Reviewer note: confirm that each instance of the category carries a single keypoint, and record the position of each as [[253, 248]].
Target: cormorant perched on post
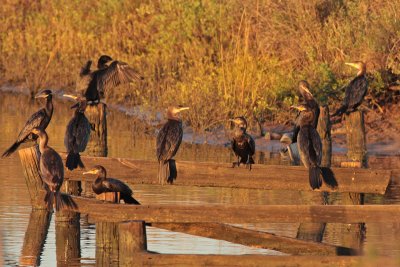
[[40, 120], [242, 143], [103, 184], [355, 91], [309, 145], [168, 141], [77, 134], [304, 89], [51, 170], [93, 84]]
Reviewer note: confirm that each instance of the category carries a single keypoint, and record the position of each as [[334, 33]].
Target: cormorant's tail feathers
[[11, 150], [73, 161], [329, 177], [173, 172], [315, 177], [128, 199], [51, 197]]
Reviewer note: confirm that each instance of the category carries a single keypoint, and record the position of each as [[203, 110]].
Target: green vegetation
[[222, 57]]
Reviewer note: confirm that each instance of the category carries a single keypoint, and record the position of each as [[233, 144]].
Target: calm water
[[15, 209]]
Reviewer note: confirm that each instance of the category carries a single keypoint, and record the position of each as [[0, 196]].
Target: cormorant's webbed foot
[[234, 164], [248, 163]]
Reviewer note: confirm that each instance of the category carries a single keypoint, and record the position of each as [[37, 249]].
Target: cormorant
[[309, 145], [40, 120], [93, 84], [51, 170], [304, 89], [168, 141], [77, 134], [103, 184], [355, 91], [242, 143]]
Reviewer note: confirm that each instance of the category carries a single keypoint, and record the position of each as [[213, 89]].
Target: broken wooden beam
[[257, 239], [211, 174], [212, 213]]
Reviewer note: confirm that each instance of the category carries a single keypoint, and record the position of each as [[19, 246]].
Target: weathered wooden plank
[[148, 259], [237, 213], [256, 238], [222, 175]]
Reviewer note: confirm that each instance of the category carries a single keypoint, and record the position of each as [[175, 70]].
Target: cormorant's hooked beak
[[235, 121], [70, 96], [41, 94], [299, 107], [354, 65], [182, 109], [95, 171]]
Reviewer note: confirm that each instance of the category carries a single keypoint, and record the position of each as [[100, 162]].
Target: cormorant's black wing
[[309, 145], [51, 167], [117, 73], [83, 81], [356, 91], [34, 121], [168, 140], [77, 134], [114, 185], [316, 145], [252, 144]]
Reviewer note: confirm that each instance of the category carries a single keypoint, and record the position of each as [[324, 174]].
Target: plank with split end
[[236, 213], [257, 239], [148, 259], [222, 175]]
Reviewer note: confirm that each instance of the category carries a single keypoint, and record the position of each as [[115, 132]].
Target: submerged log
[[97, 116], [237, 213], [223, 175], [255, 238]]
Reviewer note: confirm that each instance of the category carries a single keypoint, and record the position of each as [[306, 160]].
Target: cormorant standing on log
[[168, 141], [77, 134], [355, 91], [94, 84], [242, 143], [304, 89], [51, 170], [40, 119], [309, 145], [103, 184]]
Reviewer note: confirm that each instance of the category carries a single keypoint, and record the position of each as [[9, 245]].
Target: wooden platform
[[212, 213], [210, 174]]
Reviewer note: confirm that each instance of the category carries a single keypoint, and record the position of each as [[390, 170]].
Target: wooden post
[[107, 243], [68, 246], [35, 237], [355, 132], [71, 188], [30, 165], [132, 240], [324, 131], [96, 114]]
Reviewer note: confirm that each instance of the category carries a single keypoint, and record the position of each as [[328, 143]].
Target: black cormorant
[[242, 143], [93, 84], [77, 134], [168, 141], [355, 91], [39, 120], [103, 184], [308, 98], [51, 170], [309, 145]]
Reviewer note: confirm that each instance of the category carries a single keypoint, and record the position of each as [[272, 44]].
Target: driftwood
[[276, 177]]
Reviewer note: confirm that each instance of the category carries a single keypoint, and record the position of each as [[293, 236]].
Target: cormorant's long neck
[[361, 71], [102, 175], [43, 140], [49, 106]]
